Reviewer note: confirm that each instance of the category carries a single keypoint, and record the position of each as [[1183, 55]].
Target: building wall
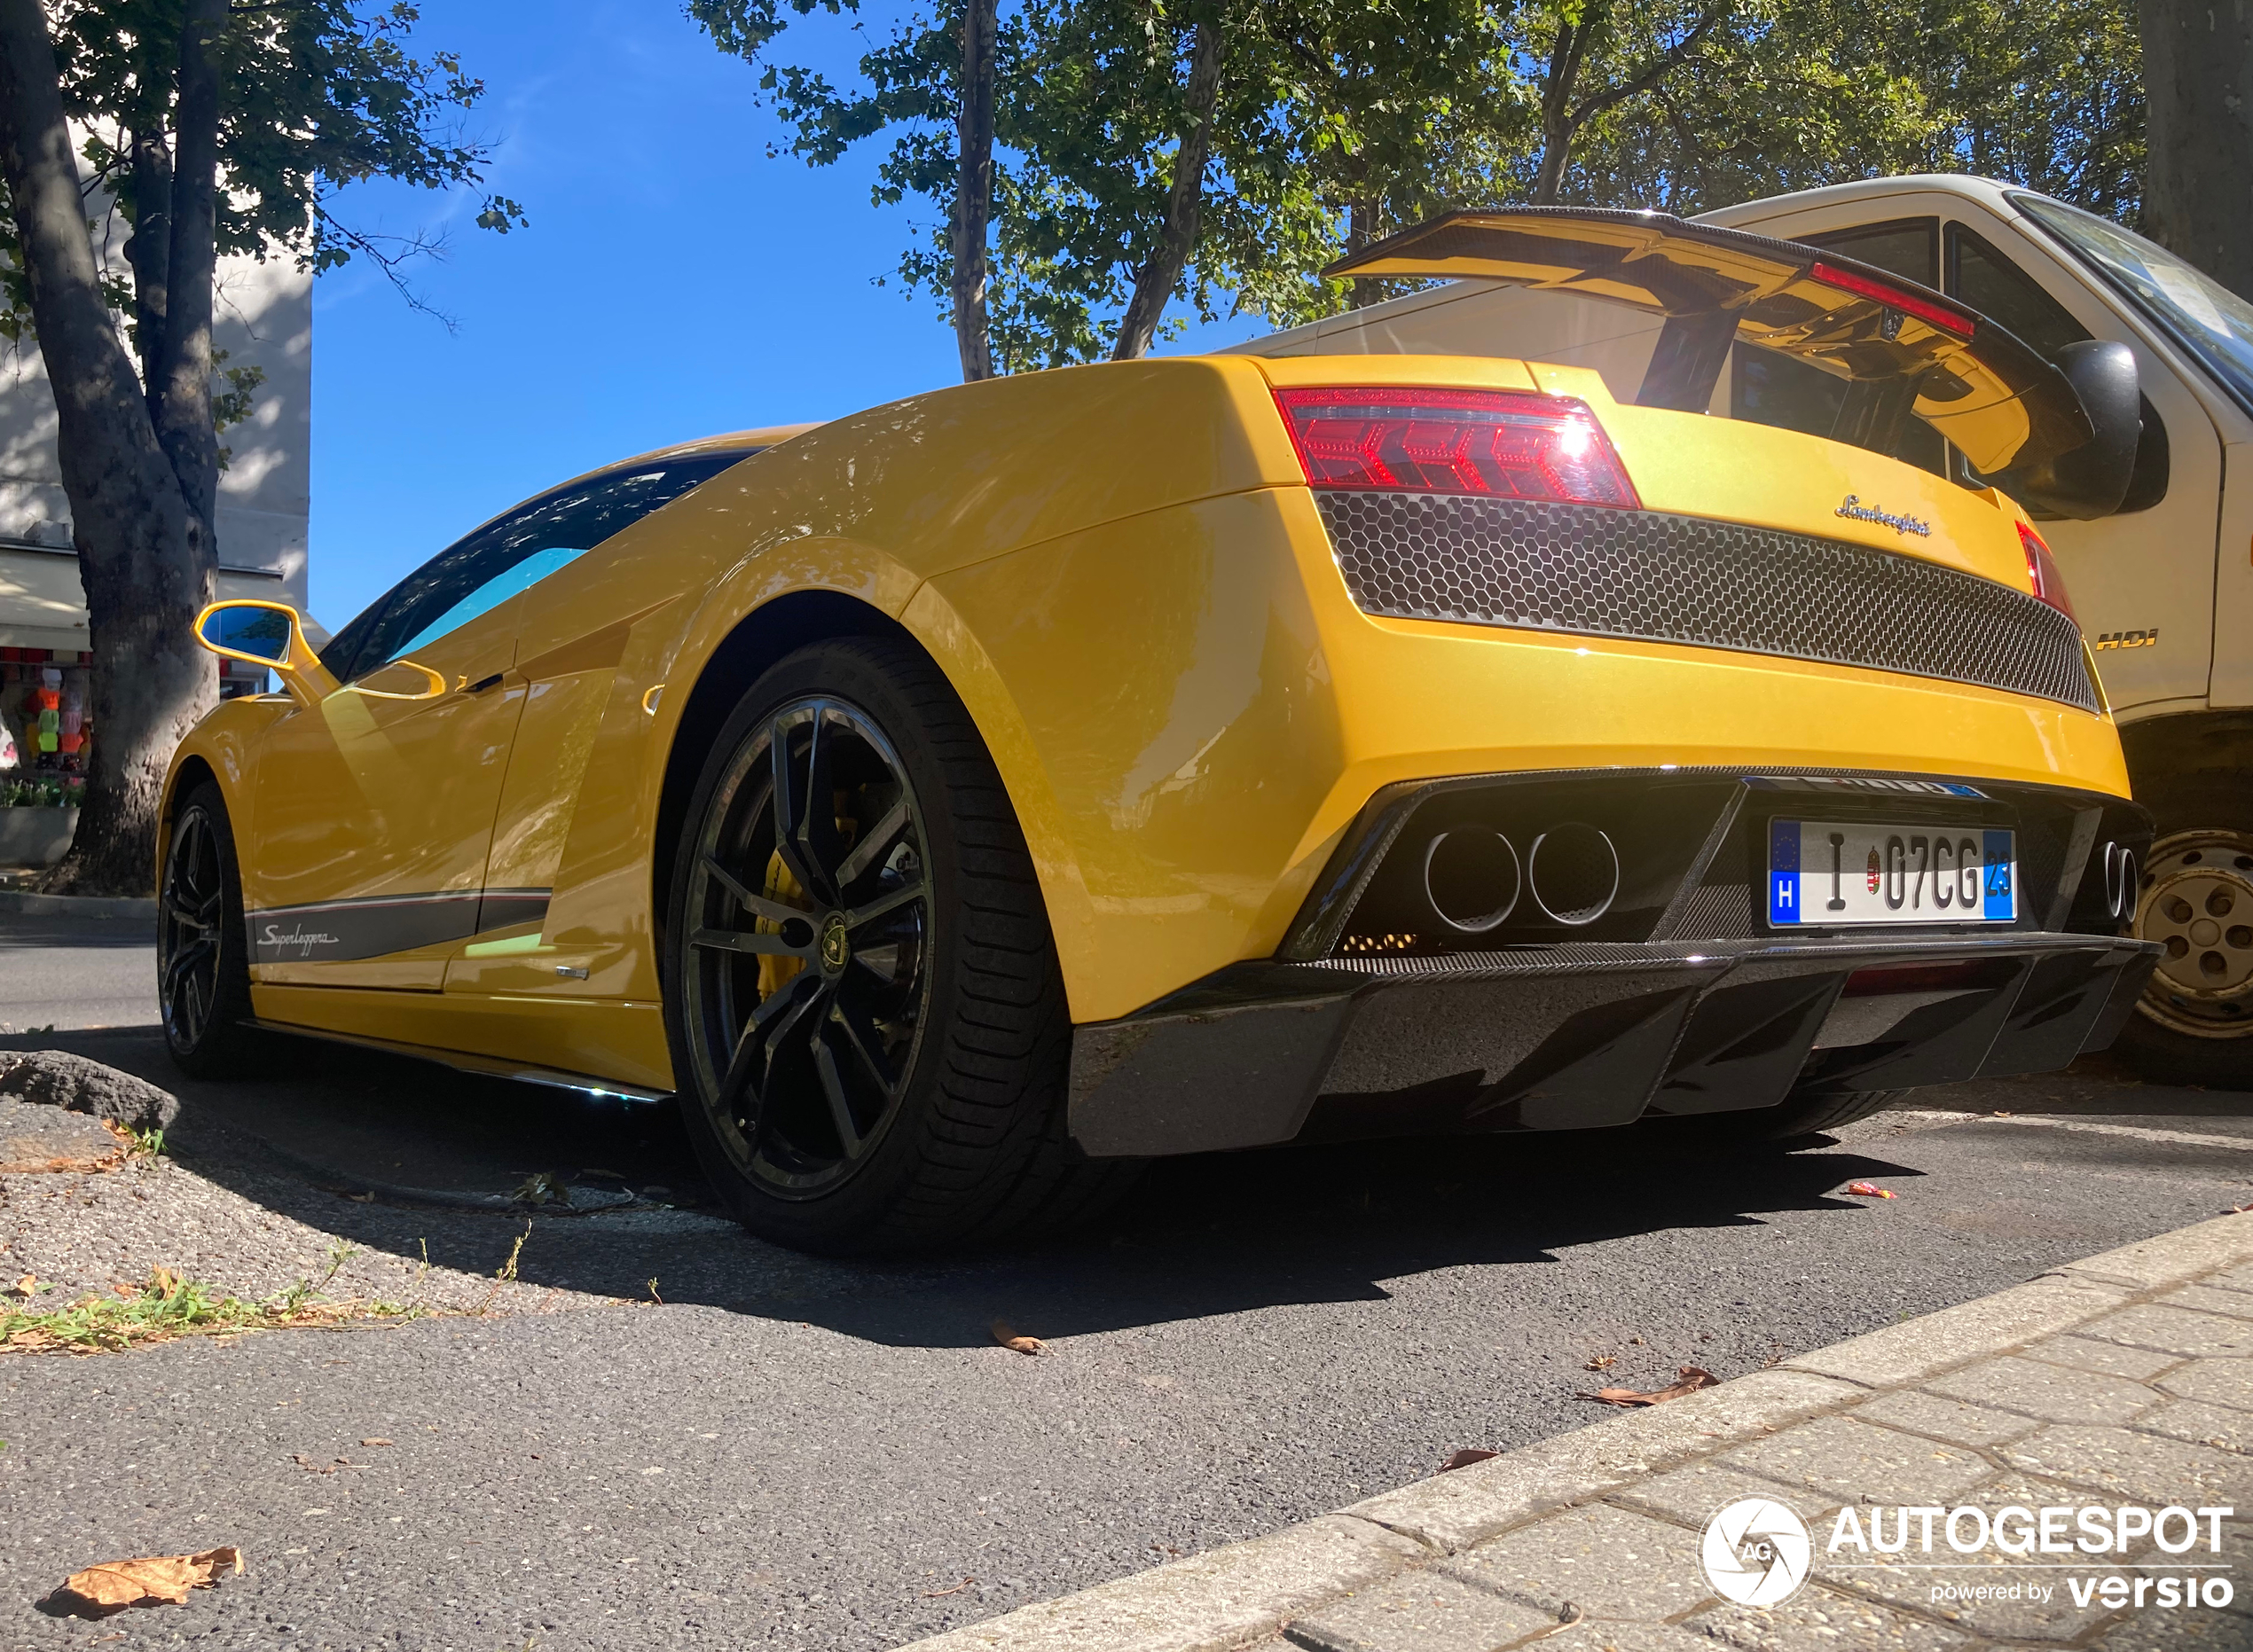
[[265, 318]]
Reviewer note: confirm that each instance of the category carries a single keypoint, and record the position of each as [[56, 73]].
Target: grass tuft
[[168, 1306]]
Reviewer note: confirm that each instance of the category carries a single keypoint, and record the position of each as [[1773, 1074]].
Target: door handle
[[482, 684]]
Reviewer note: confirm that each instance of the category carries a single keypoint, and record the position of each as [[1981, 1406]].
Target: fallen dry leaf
[[935, 1595], [1869, 1190], [379, 1440], [1465, 1458], [28, 1286], [1010, 1339], [1694, 1378], [158, 1580], [1602, 1362]]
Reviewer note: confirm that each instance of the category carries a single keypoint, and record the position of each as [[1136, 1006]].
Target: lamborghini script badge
[[1862, 513]]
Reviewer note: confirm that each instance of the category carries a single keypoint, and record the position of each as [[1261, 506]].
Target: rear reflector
[[1501, 443], [2049, 584], [1957, 322]]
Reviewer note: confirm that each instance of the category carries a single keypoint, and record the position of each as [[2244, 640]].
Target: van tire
[[2181, 1034]]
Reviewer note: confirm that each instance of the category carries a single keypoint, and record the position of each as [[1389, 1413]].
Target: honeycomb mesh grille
[[1599, 572]]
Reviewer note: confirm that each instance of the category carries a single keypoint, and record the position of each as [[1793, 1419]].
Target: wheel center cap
[[837, 949], [2205, 932]]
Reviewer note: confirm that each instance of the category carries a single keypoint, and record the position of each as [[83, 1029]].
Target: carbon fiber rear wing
[[1902, 348]]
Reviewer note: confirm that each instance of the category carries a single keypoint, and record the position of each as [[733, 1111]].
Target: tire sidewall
[[840, 1219], [223, 1033], [2199, 799]]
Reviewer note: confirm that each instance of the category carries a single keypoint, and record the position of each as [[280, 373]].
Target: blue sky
[[674, 281]]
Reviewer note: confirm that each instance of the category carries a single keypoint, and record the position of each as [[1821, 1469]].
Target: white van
[[2162, 585]]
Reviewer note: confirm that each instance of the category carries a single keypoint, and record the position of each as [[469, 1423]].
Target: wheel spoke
[[751, 941], [177, 968], [758, 905], [871, 845], [833, 1087], [885, 904], [817, 825], [859, 1039], [181, 914], [788, 805]]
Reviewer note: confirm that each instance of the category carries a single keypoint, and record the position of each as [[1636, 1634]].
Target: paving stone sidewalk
[[2125, 1379]]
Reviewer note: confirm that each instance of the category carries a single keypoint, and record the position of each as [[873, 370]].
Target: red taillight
[[1957, 322], [2049, 584], [1501, 443]]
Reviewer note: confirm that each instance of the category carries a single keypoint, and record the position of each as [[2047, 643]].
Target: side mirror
[[267, 634], [2091, 480]]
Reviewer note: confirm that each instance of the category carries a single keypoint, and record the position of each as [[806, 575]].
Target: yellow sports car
[[955, 803]]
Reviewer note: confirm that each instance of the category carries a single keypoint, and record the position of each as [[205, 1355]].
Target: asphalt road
[[813, 1454]]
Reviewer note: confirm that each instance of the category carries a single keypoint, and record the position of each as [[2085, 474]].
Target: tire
[[2194, 1024], [1809, 1116], [202, 947], [868, 1028], [1791, 1119]]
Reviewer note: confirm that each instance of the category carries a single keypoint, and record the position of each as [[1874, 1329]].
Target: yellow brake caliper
[[776, 972]]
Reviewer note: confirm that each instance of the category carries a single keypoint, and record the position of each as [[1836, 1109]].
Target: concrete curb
[[1231, 1595], [25, 904]]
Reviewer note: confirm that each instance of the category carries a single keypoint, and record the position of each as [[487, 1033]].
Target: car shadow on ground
[[1200, 1236]]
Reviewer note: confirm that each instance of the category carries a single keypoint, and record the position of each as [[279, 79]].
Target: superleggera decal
[[341, 931]]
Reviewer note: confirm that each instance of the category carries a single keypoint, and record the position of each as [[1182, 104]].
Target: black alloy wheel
[[809, 935], [202, 967], [869, 1038]]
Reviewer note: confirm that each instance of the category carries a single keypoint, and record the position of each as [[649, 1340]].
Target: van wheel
[[869, 1034], [2194, 1024], [202, 951]]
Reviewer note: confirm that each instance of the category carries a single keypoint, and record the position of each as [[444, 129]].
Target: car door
[[373, 812]]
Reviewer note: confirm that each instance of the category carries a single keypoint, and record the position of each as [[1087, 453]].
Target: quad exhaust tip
[[1474, 878], [2119, 881], [1471, 880]]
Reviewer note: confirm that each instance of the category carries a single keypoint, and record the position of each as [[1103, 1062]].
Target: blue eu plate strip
[[1782, 876], [2002, 898]]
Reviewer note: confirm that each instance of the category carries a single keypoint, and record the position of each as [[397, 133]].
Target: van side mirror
[[2091, 480], [269, 634]]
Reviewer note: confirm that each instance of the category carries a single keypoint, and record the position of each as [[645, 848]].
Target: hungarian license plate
[[1850, 872]]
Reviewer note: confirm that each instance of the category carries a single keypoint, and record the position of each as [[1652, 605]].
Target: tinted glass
[[1996, 287], [1905, 248], [483, 570]]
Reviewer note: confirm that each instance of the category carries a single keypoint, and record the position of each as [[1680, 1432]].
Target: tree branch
[[974, 189], [1185, 205]]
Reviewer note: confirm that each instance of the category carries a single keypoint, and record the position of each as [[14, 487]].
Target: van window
[[2202, 316], [1771, 389], [1997, 288]]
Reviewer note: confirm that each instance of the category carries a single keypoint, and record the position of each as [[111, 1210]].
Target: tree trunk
[[149, 249], [1565, 55], [1184, 206], [974, 189], [2198, 179], [1361, 230], [138, 543], [179, 392]]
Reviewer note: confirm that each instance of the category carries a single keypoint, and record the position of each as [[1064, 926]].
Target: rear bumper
[[1583, 1035]]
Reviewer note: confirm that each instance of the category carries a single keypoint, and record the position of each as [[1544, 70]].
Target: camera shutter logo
[[1756, 1552]]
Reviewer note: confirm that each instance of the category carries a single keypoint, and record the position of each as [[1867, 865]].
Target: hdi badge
[[1756, 1552]]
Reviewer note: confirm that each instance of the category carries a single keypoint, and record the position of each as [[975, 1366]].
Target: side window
[[1771, 389], [478, 573], [1993, 285]]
